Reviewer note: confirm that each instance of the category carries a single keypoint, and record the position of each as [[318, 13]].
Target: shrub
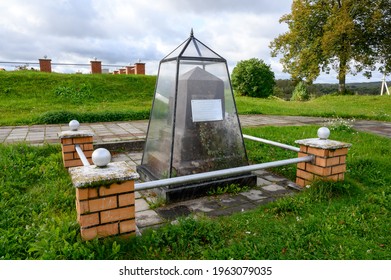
[[253, 78], [300, 93], [89, 117]]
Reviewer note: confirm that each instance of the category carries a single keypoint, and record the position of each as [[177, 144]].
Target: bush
[[300, 93], [90, 117], [253, 78]]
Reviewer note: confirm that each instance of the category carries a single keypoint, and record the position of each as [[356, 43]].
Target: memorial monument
[[193, 125]]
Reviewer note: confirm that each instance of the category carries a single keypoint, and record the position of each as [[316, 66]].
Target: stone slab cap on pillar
[[92, 176], [75, 134], [324, 144]]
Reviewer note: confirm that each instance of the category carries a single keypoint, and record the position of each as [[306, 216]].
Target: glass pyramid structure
[[193, 125]]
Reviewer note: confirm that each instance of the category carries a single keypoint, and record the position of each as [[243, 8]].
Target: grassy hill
[[29, 97], [34, 97]]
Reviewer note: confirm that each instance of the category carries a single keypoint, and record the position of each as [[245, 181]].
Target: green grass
[[347, 106], [344, 220], [33, 97], [29, 97]]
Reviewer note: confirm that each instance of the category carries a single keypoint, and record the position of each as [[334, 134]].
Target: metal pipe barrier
[[81, 155], [217, 174], [277, 144]]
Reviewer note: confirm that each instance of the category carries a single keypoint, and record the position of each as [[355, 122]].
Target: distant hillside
[[369, 88], [286, 87]]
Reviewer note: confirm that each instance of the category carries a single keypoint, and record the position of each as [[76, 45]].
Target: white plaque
[[206, 110]]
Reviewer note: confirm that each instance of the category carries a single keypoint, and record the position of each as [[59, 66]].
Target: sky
[[127, 31]]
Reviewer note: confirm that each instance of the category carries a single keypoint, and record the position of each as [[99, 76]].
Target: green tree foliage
[[300, 93], [349, 36], [253, 78]]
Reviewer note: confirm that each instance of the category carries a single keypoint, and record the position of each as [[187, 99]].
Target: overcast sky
[[124, 31]]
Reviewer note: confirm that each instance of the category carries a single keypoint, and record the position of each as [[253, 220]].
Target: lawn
[[344, 220], [345, 106], [33, 97], [29, 97]]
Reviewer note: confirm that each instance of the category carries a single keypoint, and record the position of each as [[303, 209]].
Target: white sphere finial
[[323, 133], [101, 157], [74, 125]]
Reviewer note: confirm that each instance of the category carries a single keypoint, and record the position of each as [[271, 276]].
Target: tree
[[349, 36], [253, 78], [300, 93]]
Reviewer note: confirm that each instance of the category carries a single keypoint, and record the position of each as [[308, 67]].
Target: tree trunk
[[342, 83], [342, 75]]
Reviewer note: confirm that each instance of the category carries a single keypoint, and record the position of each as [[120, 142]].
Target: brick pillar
[[115, 72], [68, 141], [122, 71], [139, 68], [105, 201], [96, 67], [45, 65], [329, 160], [129, 70]]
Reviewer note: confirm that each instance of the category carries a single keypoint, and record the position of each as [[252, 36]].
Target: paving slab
[[148, 218], [254, 195], [273, 188], [136, 130]]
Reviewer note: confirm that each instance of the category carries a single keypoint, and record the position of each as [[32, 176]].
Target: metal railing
[[277, 144], [199, 177], [217, 174], [81, 154]]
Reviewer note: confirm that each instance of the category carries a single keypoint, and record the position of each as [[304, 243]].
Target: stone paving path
[[136, 130], [269, 186]]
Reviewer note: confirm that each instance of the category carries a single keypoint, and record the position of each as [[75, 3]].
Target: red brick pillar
[[45, 65], [122, 71], [329, 160], [139, 68], [96, 67], [71, 138], [129, 70], [105, 201]]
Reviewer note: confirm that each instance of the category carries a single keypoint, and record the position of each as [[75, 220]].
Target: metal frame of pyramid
[[193, 125]]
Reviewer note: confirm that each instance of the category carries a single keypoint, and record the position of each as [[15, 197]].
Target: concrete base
[[135, 145], [194, 190]]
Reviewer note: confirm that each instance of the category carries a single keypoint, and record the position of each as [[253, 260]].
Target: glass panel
[[199, 101], [157, 151], [212, 144], [198, 49], [177, 51], [194, 48]]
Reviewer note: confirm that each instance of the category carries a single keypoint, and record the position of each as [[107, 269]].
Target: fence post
[[139, 68], [129, 70], [73, 137], [329, 159], [45, 65], [96, 67], [105, 201]]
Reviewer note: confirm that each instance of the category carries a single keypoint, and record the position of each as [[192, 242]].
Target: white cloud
[[123, 31]]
